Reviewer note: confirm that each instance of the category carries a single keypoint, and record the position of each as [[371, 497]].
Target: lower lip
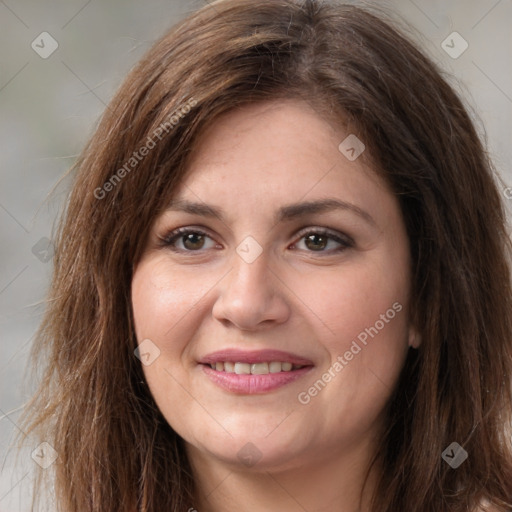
[[253, 384]]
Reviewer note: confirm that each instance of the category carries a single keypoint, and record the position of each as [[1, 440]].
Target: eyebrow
[[285, 213]]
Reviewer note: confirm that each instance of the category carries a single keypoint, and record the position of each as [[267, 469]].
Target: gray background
[[49, 107]]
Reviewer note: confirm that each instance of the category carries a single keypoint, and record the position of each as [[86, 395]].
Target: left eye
[[318, 240], [193, 240]]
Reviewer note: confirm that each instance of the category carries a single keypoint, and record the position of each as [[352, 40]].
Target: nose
[[251, 296]]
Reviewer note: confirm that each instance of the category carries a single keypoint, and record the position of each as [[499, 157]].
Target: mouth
[[254, 372], [263, 368]]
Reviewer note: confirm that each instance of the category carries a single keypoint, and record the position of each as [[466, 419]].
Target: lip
[[254, 384], [254, 356]]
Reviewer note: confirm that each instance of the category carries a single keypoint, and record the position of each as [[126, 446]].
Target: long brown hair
[[116, 451]]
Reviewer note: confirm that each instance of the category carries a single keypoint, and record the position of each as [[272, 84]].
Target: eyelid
[[344, 240], [174, 234]]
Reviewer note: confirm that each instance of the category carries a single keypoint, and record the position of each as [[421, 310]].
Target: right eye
[[192, 240]]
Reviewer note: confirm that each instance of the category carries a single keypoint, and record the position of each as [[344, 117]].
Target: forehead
[[276, 152], [267, 133]]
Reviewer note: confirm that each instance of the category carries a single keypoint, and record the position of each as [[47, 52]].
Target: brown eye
[[191, 240], [316, 242], [319, 240]]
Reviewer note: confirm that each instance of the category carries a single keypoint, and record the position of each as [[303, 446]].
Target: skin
[[300, 297]]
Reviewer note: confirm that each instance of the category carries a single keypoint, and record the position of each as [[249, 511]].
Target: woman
[[282, 281]]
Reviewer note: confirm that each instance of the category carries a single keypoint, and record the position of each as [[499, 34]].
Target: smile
[[263, 368], [250, 372]]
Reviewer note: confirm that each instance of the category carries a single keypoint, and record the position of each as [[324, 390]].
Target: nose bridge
[[251, 277], [250, 294]]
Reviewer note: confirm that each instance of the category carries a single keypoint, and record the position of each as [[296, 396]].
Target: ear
[[414, 337]]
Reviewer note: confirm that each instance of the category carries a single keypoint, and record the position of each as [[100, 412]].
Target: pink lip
[[254, 384], [254, 356]]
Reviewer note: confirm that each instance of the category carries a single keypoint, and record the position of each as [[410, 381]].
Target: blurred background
[[61, 62]]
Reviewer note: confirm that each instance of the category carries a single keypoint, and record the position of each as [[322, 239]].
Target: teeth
[[254, 368], [275, 367], [242, 368], [259, 368]]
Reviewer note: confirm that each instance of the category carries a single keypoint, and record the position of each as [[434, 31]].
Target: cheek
[[365, 311], [162, 299], [163, 303], [349, 301]]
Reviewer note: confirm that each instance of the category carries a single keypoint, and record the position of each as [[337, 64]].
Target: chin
[[253, 452]]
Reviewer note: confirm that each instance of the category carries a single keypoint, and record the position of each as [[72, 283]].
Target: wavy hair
[[116, 451]]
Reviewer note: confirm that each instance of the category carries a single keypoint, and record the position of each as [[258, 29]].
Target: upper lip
[[254, 356]]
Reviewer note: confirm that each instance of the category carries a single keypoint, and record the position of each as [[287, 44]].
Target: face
[[290, 276]]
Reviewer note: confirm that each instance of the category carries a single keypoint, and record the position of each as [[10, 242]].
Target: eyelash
[[171, 238]]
